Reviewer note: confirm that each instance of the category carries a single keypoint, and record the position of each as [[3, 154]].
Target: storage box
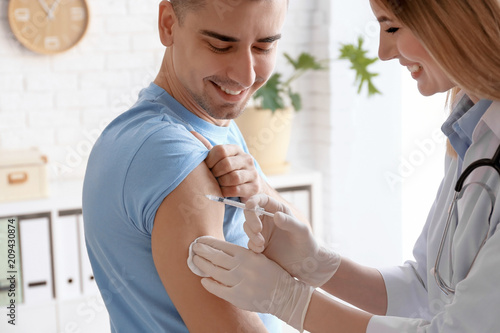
[[23, 175]]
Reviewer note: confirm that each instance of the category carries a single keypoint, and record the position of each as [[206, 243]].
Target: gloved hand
[[251, 281], [288, 242]]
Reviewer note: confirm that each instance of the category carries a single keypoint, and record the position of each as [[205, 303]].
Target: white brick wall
[[60, 103]]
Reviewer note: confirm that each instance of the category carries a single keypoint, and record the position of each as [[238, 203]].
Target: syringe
[[259, 210]]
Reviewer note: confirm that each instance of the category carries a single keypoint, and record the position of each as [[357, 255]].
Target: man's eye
[[219, 49], [263, 51], [392, 30]]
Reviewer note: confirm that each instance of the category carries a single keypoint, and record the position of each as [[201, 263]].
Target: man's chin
[[227, 111]]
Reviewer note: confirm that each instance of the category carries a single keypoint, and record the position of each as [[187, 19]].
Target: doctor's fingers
[[290, 223], [228, 294], [268, 203], [219, 274], [219, 244], [256, 223], [256, 242], [215, 256], [253, 220]]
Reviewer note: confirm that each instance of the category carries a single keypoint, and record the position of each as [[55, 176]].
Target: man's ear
[[166, 21]]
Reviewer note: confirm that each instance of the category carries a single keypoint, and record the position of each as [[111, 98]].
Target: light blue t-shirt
[[142, 156]]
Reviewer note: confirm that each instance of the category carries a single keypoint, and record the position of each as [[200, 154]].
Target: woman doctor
[[453, 285]]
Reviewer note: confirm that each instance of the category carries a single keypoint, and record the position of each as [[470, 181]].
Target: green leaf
[[359, 63], [304, 62], [295, 99], [269, 94]]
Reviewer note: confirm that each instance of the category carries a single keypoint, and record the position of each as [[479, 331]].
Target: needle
[[229, 202]]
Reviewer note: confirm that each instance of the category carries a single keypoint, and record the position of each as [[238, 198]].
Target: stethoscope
[[494, 163]]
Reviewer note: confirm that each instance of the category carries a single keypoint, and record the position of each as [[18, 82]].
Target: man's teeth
[[414, 68], [230, 92]]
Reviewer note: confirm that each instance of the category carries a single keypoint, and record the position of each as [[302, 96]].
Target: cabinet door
[[37, 311], [300, 198], [88, 281], [67, 257], [10, 263], [36, 259]]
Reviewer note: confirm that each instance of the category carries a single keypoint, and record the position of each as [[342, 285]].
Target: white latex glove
[[251, 281], [288, 242]]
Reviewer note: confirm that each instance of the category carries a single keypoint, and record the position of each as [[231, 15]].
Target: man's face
[[225, 51]]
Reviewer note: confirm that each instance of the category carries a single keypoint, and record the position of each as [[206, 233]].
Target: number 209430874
[[11, 270]]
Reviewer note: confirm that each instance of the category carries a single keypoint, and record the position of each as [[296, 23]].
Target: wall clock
[[48, 26]]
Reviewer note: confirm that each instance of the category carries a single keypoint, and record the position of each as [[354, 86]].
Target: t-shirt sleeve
[[161, 163]]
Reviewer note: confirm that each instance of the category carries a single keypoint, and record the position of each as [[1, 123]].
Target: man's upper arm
[[184, 215]]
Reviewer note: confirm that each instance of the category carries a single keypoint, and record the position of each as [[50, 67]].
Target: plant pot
[[267, 135]]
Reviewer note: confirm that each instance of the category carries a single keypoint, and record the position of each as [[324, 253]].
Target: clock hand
[[44, 6], [53, 8]]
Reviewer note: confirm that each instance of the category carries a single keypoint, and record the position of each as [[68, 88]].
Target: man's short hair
[[181, 7]]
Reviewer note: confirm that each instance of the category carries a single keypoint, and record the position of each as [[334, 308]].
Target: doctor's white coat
[[415, 303]]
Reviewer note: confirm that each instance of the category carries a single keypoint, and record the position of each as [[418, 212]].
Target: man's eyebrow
[[225, 38], [218, 36], [269, 39]]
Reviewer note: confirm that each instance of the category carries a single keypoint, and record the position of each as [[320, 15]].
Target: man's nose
[[242, 68]]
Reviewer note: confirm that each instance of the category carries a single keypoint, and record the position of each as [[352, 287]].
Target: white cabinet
[[58, 291], [302, 188]]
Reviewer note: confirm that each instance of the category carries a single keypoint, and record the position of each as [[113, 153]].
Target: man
[[144, 192]]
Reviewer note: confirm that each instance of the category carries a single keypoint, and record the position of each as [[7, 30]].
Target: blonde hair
[[463, 37], [451, 99]]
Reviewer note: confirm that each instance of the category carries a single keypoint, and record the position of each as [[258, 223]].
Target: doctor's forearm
[[360, 286], [327, 315]]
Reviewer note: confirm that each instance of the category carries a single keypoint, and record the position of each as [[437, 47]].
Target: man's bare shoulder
[[184, 215]]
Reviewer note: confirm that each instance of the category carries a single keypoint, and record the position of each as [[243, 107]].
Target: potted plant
[[266, 126]]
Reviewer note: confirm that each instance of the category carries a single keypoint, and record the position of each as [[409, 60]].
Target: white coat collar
[[490, 121]]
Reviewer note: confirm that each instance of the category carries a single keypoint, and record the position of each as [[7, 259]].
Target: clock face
[[48, 26]]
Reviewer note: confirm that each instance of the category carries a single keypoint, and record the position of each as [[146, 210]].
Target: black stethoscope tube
[[493, 162]]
